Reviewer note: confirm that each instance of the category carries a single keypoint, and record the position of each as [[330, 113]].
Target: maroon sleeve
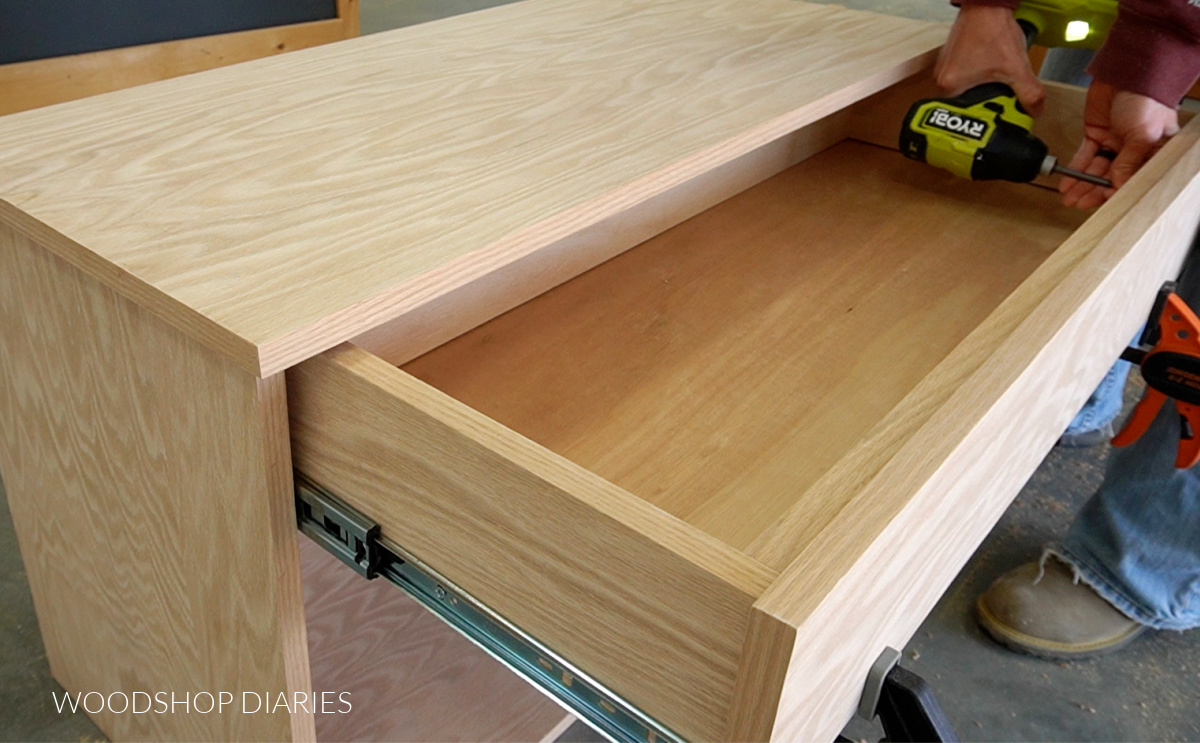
[[1153, 49], [1010, 4]]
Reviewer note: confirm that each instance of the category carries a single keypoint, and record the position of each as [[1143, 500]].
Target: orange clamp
[[1171, 369]]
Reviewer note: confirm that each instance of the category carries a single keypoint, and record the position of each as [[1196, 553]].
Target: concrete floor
[[1150, 691]]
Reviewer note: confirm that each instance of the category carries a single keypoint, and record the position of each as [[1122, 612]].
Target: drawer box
[[721, 471]]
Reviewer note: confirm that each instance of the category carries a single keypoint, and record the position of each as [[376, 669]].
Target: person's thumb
[[1030, 92], [1135, 151]]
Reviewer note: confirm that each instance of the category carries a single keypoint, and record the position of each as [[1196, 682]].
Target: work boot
[[1052, 617]]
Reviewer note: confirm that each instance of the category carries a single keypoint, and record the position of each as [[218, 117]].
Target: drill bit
[[1051, 166], [1072, 173]]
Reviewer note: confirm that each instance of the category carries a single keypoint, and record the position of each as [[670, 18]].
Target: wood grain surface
[[407, 674], [150, 487], [452, 314], [929, 484], [277, 208], [718, 370], [649, 606], [42, 82]]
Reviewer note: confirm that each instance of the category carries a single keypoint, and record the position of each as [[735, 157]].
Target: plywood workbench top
[[276, 208]]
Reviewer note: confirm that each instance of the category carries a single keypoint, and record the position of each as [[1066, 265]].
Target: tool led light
[[1077, 31]]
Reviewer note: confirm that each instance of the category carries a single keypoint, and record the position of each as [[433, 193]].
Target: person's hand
[[1115, 121], [987, 46]]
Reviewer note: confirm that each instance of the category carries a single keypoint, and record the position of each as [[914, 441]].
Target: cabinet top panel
[[276, 208]]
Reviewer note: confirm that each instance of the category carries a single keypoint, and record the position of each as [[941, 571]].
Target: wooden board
[[647, 605], [42, 82], [276, 209], [718, 370], [150, 486], [929, 484], [408, 675], [452, 314]]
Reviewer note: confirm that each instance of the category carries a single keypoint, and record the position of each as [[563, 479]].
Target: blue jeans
[[1137, 540], [1105, 403]]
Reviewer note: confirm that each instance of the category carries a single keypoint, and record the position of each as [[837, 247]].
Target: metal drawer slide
[[355, 539]]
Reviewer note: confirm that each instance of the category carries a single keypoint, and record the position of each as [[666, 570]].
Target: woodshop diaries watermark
[[203, 703]]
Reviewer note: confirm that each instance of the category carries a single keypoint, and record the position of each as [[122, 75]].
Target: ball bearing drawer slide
[[355, 539]]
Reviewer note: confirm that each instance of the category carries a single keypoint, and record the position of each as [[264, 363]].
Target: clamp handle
[[1171, 368]]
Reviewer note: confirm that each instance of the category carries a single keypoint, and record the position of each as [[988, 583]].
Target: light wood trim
[[149, 483], [1001, 400], [302, 200], [42, 82], [648, 605]]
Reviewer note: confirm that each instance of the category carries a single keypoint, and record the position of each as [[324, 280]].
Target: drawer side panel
[[650, 607]]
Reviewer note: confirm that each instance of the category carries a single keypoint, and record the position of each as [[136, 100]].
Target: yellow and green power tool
[[984, 134]]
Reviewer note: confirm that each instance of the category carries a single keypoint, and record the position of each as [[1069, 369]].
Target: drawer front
[[644, 603], [931, 482]]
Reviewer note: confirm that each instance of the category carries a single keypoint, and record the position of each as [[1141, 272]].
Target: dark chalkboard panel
[[36, 29]]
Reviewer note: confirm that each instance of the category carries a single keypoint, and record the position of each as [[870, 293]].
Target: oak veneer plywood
[[409, 676], [452, 314], [149, 482], [614, 585], [929, 487], [276, 209], [719, 369], [26, 85]]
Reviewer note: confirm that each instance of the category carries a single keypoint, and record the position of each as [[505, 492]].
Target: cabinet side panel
[[149, 483]]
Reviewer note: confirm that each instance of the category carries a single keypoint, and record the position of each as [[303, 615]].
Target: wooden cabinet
[[624, 317]]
